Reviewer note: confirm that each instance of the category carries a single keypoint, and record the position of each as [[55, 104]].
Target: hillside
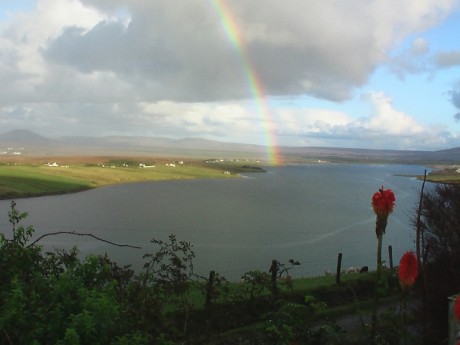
[[23, 142]]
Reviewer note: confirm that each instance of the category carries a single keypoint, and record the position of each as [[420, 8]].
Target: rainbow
[[256, 89]]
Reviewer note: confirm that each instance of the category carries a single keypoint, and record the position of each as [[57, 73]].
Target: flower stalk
[[383, 203]]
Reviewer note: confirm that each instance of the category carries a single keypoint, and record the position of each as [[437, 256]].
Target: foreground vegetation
[[59, 298], [39, 177]]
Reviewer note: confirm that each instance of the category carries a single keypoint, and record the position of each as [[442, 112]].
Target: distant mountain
[[24, 137], [34, 144], [449, 156], [452, 151], [195, 147], [25, 141]]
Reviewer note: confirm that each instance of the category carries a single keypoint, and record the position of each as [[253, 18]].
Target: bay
[[308, 213]]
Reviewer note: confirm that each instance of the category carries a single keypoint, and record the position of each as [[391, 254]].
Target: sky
[[380, 74]]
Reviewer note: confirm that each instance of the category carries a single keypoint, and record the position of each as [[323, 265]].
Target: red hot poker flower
[[408, 269], [457, 308], [383, 202]]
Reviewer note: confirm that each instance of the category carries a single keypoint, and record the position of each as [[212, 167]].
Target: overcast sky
[[356, 73]]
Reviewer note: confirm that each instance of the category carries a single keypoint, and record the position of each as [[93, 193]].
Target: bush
[[440, 225], [55, 298]]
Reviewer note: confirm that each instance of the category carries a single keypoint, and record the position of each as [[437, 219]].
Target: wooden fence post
[[339, 268], [390, 255], [209, 288]]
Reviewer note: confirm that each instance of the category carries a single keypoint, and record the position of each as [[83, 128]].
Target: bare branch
[[82, 234]]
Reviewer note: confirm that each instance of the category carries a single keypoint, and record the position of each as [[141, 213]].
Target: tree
[[440, 229]]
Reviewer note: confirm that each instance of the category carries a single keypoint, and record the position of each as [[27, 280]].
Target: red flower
[[408, 270], [457, 308], [383, 202]]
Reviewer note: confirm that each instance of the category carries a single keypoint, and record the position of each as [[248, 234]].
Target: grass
[[446, 175], [18, 182], [34, 178], [444, 178], [350, 300], [323, 288], [321, 281]]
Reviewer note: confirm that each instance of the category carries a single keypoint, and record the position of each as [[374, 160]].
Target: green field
[[22, 181], [34, 179], [445, 175]]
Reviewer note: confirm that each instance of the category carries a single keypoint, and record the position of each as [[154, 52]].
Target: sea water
[[308, 213]]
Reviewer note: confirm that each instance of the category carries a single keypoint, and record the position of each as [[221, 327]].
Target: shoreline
[[27, 177], [34, 176]]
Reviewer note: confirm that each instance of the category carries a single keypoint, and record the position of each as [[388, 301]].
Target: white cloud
[[311, 120], [384, 127], [387, 120], [24, 36], [211, 120], [420, 46]]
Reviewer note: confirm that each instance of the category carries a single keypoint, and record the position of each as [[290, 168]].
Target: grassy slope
[[448, 175], [33, 180], [20, 181], [348, 302], [302, 287]]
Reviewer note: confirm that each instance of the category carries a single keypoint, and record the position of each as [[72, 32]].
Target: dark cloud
[[447, 59], [180, 51], [167, 61], [456, 97]]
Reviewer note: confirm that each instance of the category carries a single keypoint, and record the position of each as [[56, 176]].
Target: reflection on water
[[308, 212]]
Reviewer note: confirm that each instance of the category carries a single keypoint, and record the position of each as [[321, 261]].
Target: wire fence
[[350, 263]]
